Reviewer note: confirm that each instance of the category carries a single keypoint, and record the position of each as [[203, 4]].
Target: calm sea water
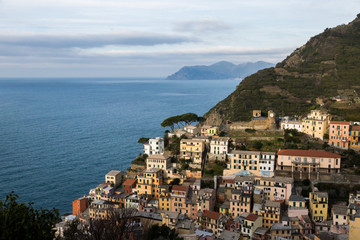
[[59, 137]]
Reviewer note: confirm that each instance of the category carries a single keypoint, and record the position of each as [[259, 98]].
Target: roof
[[340, 122], [180, 188], [172, 215], [211, 214], [206, 126], [308, 153], [229, 235], [191, 140], [245, 152], [220, 139], [261, 230], [339, 210], [296, 198], [355, 128], [321, 194], [113, 173], [157, 156], [152, 170], [272, 204], [252, 217], [130, 182]]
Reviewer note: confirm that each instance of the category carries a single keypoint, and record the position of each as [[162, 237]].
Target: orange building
[[339, 134], [129, 185], [182, 201], [355, 138], [79, 205]]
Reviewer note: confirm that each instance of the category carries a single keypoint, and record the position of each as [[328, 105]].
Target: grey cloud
[[90, 40], [201, 26]]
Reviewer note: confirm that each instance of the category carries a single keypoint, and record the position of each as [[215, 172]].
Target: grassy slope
[[327, 63]]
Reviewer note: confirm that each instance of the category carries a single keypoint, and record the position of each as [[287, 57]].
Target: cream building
[[114, 177], [308, 162], [316, 124], [192, 149]]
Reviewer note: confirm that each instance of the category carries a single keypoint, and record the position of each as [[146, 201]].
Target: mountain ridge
[[218, 70], [326, 66]]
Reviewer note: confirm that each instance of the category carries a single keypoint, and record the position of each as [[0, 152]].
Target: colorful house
[[339, 134], [355, 137], [318, 206]]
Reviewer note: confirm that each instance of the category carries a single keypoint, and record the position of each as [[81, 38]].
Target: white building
[[192, 129], [290, 124], [267, 164], [132, 201], [154, 146], [219, 146]]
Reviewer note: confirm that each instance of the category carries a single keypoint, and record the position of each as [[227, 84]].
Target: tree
[[143, 140], [176, 181], [162, 232], [180, 120], [22, 221], [120, 224]]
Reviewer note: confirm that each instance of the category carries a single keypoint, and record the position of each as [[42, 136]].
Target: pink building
[[339, 134], [308, 162]]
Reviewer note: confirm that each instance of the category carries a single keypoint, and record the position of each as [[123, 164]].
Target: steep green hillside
[[328, 65]]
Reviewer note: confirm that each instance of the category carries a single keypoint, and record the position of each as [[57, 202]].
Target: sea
[[59, 137]]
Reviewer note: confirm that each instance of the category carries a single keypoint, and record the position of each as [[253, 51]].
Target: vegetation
[[23, 221], [326, 66], [120, 224], [174, 145], [214, 168], [162, 232], [140, 160], [181, 120], [143, 140]]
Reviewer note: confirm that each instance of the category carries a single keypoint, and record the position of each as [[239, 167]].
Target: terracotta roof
[[211, 214], [179, 188], [308, 153], [251, 217], [340, 122], [129, 182], [355, 128]]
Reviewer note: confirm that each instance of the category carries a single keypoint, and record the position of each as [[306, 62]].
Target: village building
[[192, 149], [339, 134], [129, 185], [113, 177], [316, 124], [251, 223], [219, 147], [287, 124], [308, 162], [271, 213], [239, 203], [355, 137], [340, 215], [297, 207], [212, 221], [79, 206], [149, 182], [154, 146], [192, 129], [318, 206], [267, 164]]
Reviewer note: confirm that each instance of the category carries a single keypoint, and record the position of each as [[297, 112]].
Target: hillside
[[219, 70], [328, 65]]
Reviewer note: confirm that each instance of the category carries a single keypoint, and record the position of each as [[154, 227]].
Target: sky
[[146, 38]]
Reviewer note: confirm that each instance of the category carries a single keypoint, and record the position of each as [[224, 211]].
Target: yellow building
[[225, 208], [354, 229], [318, 206], [149, 182], [355, 138], [271, 213], [192, 149], [242, 161], [316, 124]]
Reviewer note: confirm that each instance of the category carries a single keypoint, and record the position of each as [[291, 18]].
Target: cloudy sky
[[148, 38]]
